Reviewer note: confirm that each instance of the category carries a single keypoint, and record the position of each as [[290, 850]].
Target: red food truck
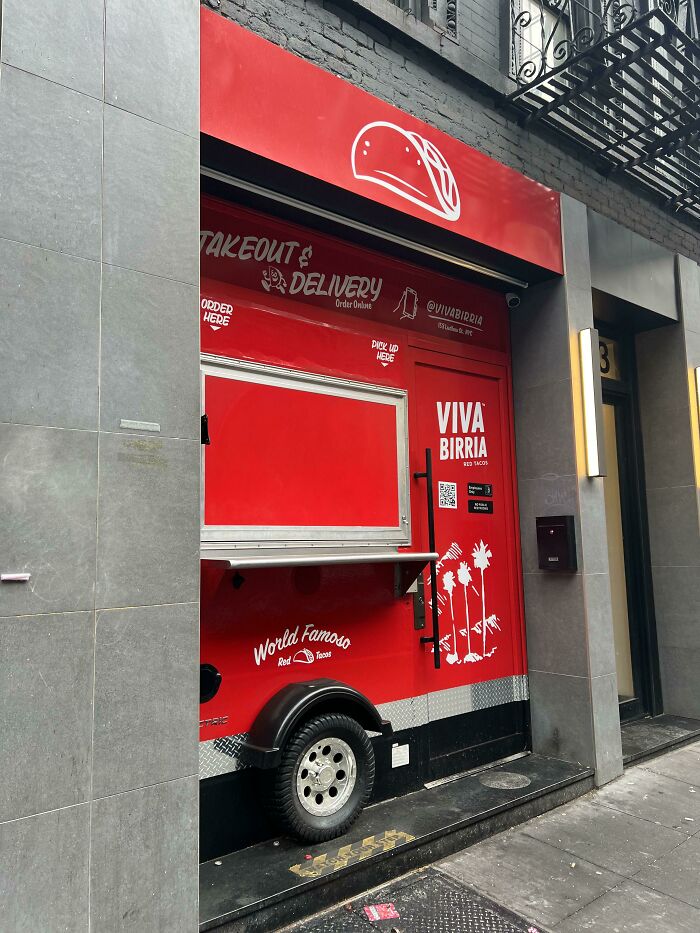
[[362, 621]]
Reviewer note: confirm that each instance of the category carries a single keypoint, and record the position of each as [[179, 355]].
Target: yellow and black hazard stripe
[[346, 855]]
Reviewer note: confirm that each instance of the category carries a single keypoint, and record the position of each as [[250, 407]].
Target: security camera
[[512, 300]]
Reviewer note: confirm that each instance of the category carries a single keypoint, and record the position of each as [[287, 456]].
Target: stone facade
[[99, 190]]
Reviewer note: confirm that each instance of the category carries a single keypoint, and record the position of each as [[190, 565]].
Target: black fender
[[295, 703]]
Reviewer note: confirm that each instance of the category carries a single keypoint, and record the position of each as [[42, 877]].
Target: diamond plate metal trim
[[220, 756], [405, 714], [521, 688], [494, 693], [451, 702], [458, 700]]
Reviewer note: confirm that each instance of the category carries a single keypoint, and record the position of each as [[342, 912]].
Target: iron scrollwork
[[566, 28]]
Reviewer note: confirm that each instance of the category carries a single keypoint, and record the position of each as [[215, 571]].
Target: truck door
[[462, 412]]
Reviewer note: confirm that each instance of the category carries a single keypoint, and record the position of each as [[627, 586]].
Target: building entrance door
[[476, 699], [634, 630]]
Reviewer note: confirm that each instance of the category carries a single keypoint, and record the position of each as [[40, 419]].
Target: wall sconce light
[[592, 401]]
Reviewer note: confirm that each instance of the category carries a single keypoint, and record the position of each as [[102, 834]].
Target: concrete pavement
[[620, 859]]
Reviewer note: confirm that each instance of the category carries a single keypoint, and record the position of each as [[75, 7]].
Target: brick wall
[[393, 67]]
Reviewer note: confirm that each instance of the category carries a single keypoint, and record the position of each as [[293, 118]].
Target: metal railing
[[546, 33], [441, 14], [622, 78]]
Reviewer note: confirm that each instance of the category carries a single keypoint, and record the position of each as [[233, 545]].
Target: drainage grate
[[427, 902]]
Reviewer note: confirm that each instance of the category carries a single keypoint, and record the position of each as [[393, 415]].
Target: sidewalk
[[622, 858]]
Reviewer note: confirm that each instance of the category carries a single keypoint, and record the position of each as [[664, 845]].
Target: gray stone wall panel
[[149, 351], [151, 201], [143, 866], [145, 732], [561, 716], [46, 702], [50, 312], [629, 267], [50, 165], [48, 496], [149, 66], [60, 40], [44, 872], [148, 545]]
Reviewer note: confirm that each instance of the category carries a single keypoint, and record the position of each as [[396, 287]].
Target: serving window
[[301, 459]]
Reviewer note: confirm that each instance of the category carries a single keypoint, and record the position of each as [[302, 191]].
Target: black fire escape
[[622, 79]]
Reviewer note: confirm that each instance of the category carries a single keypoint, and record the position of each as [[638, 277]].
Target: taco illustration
[[407, 164], [303, 656]]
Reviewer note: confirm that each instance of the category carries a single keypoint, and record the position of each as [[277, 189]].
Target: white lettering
[[261, 249], [465, 415], [214, 248], [271, 645], [478, 423], [246, 250], [443, 415], [227, 248]]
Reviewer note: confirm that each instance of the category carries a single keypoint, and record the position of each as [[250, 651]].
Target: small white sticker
[[399, 755], [139, 425]]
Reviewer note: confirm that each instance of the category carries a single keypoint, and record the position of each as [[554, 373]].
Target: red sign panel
[[278, 261], [290, 456], [263, 99]]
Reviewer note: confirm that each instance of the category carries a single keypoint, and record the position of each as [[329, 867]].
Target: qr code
[[447, 495]]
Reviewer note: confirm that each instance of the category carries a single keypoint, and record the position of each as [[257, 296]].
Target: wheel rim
[[326, 776]]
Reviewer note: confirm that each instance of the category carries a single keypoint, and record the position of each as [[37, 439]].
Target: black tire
[[292, 815]]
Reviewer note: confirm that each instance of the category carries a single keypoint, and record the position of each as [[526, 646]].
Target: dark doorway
[[634, 627]]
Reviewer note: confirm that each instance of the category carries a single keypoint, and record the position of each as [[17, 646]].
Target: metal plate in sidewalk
[[427, 902]]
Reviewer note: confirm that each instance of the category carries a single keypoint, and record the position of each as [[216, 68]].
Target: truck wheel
[[325, 778]]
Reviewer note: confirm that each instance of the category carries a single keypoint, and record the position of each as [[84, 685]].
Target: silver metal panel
[[458, 700], [220, 756], [493, 693], [139, 425], [298, 557], [405, 714], [521, 688], [451, 702], [247, 535]]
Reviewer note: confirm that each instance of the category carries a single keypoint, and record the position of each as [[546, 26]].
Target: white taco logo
[[407, 164]]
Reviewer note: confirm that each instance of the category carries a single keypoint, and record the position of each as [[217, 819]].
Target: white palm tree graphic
[[481, 555], [464, 575], [448, 582]]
